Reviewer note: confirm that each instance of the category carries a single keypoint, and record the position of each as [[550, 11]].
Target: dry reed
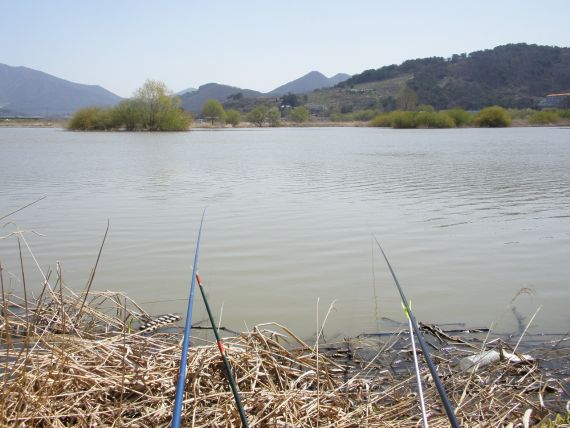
[[79, 360]]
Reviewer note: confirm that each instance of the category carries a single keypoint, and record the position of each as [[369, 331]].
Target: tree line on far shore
[[405, 113], [154, 108], [214, 112]]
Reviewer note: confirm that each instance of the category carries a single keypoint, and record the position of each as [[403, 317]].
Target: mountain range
[[27, 92], [193, 101], [513, 75]]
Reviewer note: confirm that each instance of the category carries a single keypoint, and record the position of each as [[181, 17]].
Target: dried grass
[[66, 366]]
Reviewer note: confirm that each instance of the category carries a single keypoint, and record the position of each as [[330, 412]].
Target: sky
[[256, 44]]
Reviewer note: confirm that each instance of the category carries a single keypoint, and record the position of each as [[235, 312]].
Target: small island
[[152, 108]]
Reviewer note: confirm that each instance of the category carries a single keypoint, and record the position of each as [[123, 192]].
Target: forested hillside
[[515, 75]]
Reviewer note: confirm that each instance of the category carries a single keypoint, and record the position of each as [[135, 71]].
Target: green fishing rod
[[440, 389], [226, 362]]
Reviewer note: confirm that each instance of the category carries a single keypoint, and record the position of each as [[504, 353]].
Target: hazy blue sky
[[256, 44]]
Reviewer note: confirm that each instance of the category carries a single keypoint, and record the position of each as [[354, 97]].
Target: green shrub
[[173, 120], [411, 119], [382, 120], [459, 116], [273, 117], [129, 113], [299, 114], [157, 104], [258, 115], [493, 117], [544, 117], [233, 117], [92, 119], [395, 119], [403, 119], [432, 119], [564, 113], [213, 110]]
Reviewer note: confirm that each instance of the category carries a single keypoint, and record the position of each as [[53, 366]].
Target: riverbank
[[75, 359], [283, 124], [33, 123], [516, 123], [62, 123]]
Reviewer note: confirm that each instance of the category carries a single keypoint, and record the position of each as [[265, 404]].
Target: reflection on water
[[468, 218]]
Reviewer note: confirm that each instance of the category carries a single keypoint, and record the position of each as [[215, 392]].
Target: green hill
[[514, 75], [380, 94]]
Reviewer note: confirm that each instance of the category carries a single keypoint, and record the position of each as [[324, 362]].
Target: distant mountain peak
[[308, 83], [193, 101], [339, 77], [35, 93], [313, 73], [186, 91]]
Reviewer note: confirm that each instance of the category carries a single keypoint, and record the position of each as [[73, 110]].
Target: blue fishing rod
[[177, 412], [440, 389]]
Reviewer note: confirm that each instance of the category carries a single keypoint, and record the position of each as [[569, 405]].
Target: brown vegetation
[[68, 364]]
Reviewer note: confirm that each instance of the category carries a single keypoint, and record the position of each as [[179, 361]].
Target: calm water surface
[[468, 217]]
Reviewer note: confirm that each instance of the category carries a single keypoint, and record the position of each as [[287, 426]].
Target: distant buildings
[[316, 109], [555, 100]]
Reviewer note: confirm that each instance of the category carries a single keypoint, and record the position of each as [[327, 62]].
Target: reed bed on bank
[[75, 359]]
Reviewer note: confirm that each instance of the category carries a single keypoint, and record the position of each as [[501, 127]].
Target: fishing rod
[[226, 362], [21, 208], [440, 389], [417, 369], [177, 412]]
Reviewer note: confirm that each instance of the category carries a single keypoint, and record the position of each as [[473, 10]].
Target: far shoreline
[[62, 123]]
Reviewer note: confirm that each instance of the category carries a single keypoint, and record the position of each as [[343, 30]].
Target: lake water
[[468, 217]]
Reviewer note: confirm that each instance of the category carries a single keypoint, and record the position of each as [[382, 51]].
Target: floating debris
[[161, 321]]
